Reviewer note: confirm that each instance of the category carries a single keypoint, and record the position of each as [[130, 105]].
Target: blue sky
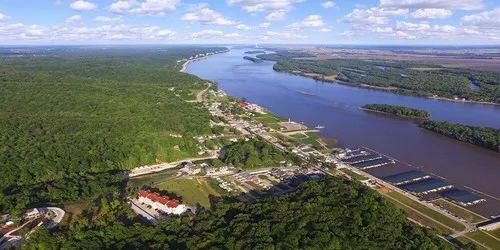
[[250, 21]]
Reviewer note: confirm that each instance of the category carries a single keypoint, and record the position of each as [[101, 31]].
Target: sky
[[407, 22]]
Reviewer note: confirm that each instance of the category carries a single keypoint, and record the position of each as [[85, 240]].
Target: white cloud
[[106, 19], [328, 4], [371, 18], [3, 17], [82, 5], [431, 14], [438, 4], [264, 25], [277, 8], [57, 2], [243, 27], [407, 26], [384, 30], [215, 35], [312, 21], [207, 16], [404, 35], [73, 18], [197, 6], [325, 30], [271, 35], [276, 16], [146, 7], [486, 19]]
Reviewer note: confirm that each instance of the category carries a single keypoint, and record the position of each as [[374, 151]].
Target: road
[[163, 166], [199, 96]]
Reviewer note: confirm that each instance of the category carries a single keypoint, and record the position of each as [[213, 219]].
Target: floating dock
[[374, 163], [362, 158], [463, 197], [428, 186], [406, 177]]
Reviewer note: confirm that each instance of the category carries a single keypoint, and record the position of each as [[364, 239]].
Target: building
[[33, 213], [428, 186], [406, 177], [161, 203], [190, 168]]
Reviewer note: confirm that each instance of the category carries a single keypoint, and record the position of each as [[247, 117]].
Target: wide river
[[336, 107]]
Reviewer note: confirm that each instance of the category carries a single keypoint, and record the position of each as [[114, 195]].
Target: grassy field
[[459, 211], [311, 139], [267, 119], [485, 239], [353, 175], [152, 178], [423, 220], [495, 233], [427, 211], [464, 240], [192, 191]]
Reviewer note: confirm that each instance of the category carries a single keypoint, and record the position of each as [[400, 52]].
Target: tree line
[[398, 110], [481, 136]]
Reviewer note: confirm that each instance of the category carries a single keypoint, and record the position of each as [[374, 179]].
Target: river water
[[336, 107]]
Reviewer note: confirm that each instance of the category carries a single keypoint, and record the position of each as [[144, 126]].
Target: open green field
[[299, 136], [427, 211], [459, 211], [267, 119], [191, 191], [153, 178], [423, 220], [353, 175], [485, 239], [495, 233], [464, 240], [425, 69], [311, 139]]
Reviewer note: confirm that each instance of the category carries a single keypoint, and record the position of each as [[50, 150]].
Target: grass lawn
[[495, 233], [485, 239], [299, 136], [267, 119], [459, 211], [423, 220], [464, 240], [254, 185], [192, 191], [353, 175], [311, 140], [427, 211]]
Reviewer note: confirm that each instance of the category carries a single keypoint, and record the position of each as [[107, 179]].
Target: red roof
[[156, 197], [243, 104]]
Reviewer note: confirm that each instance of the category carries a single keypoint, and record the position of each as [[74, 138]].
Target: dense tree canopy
[[480, 136], [71, 119], [398, 110], [332, 213], [255, 153]]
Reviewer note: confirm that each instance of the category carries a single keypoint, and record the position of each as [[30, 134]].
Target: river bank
[[184, 65], [332, 79], [389, 114]]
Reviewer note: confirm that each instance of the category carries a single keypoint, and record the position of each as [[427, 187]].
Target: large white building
[[162, 203]]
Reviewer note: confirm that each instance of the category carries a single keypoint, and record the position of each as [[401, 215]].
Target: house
[[190, 168], [161, 203], [32, 213], [244, 104]]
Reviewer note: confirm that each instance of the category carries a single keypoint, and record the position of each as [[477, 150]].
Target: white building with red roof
[[162, 203]]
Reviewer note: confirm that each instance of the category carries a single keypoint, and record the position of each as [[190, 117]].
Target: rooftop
[[156, 197], [406, 176], [460, 195], [427, 185]]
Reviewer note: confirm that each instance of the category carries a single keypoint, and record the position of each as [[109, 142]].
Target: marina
[[406, 177], [463, 197], [428, 186], [362, 158], [374, 164]]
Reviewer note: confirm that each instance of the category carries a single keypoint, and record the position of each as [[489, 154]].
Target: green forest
[[332, 213], [481, 136], [402, 77], [398, 110], [253, 59], [72, 119], [255, 153]]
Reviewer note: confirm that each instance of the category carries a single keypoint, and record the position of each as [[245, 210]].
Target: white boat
[[319, 127]]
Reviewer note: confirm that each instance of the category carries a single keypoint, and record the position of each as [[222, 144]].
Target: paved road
[[160, 167], [199, 96]]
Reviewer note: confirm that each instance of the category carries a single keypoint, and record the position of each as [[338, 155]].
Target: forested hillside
[[70, 119], [332, 213]]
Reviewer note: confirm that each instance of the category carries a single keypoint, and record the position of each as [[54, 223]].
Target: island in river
[[396, 110], [253, 59]]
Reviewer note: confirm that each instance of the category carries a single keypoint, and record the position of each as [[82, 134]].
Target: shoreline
[[404, 117], [395, 91], [184, 65]]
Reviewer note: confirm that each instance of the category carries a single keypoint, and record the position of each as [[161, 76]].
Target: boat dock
[[406, 177], [432, 185], [374, 163]]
